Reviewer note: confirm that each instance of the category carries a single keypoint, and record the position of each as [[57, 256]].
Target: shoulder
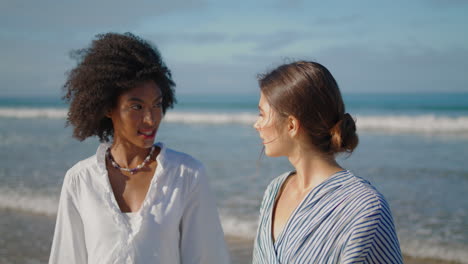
[[182, 160], [372, 227], [83, 167], [184, 169], [76, 178], [362, 194], [80, 170]]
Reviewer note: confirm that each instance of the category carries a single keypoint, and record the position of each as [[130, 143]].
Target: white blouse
[[177, 223]]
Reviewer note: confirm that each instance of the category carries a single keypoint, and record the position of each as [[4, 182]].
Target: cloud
[[398, 68], [447, 3], [32, 67], [72, 16], [290, 4], [188, 38], [341, 20], [366, 68], [357, 68], [215, 77], [225, 52], [260, 42], [270, 41], [37, 36]]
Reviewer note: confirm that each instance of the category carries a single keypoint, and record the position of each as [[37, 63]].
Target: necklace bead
[[132, 170]]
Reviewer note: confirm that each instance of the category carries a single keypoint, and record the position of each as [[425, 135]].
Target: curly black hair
[[113, 64]]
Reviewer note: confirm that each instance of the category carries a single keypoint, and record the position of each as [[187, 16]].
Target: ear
[[108, 113], [293, 126]]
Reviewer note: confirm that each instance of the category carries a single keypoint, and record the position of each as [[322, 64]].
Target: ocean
[[413, 148]]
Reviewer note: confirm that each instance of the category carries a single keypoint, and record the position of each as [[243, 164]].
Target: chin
[[144, 145], [148, 144], [272, 153]]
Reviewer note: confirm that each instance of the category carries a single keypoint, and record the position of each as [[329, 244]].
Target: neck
[[312, 167], [128, 155]]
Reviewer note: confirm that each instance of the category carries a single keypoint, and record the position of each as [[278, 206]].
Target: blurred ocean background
[[413, 148]]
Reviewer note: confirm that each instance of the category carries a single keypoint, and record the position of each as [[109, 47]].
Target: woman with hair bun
[[320, 212], [134, 201]]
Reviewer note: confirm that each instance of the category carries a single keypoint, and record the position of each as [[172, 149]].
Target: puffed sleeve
[[68, 245], [374, 240], [202, 238]]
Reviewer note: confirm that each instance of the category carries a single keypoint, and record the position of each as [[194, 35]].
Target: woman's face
[[137, 115], [270, 130]]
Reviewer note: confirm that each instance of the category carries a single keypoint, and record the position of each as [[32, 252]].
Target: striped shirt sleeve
[[373, 239]]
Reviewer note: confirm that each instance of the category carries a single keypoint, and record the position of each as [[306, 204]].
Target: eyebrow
[[135, 99], [260, 108], [139, 100]]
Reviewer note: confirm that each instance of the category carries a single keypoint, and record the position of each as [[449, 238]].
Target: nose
[[256, 125], [150, 117]]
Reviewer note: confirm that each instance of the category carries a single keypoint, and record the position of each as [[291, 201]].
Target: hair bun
[[343, 135], [349, 123]]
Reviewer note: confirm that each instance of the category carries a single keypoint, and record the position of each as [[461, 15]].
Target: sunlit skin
[[283, 136], [135, 118], [273, 136]]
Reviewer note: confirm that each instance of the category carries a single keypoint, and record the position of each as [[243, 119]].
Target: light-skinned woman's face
[[137, 115], [270, 130]]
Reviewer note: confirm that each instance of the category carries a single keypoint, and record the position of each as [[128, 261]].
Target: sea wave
[[29, 113], [27, 200], [428, 249], [244, 227], [420, 123], [386, 123]]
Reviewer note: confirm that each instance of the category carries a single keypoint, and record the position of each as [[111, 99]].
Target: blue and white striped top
[[342, 220]]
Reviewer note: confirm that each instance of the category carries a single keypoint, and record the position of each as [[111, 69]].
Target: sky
[[219, 47]]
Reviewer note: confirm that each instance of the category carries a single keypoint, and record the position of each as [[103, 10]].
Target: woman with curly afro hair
[[134, 201]]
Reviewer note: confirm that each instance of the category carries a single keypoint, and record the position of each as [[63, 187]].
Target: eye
[[158, 104], [136, 107]]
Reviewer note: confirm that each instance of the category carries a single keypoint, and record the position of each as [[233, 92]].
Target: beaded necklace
[[134, 170]]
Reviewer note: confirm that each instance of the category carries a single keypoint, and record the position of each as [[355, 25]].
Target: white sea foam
[[28, 201], [433, 250], [211, 118], [420, 123], [244, 227], [385, 123], [28, 113]]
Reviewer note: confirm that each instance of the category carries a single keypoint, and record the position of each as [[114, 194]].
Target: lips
[[147, 134]]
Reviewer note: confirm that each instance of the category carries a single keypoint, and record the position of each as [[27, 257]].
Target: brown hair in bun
[[308, 91]]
